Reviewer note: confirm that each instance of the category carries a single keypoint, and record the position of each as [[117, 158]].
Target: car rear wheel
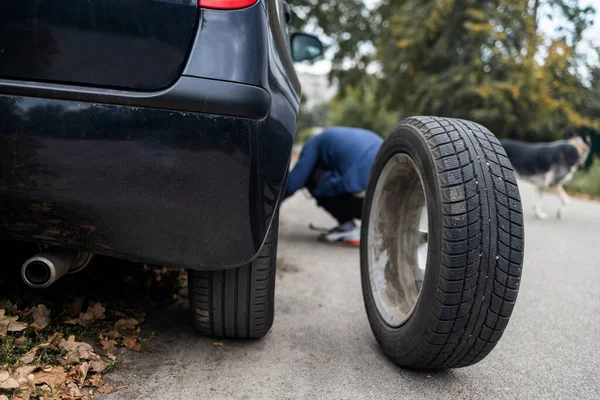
[[442, 243], [239, 302]]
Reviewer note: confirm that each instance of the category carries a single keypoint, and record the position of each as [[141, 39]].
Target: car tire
[[441, 243], [236, 303]]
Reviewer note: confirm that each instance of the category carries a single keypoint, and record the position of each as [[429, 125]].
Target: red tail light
[[226, 4]]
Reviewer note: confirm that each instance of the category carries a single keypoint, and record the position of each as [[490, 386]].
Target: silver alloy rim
[[398, 235]]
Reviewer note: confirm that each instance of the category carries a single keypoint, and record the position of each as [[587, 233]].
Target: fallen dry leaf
[[26, 313], [105, 390], [108, 334], [54, 339], [308, 362], [10, 324], [83, 368], [218, 344], [7, 381], [41, 317], [109, 346], [74, 391], [77, 351], [28, 357], [95, 311], [4, 375], [56, 376], [125, 331], [22, 341], [97, 366], [78, 373], [24, 377], [127, 326], [329, 358], [132, 343], [22, 373], [9, 306], [95, 381]]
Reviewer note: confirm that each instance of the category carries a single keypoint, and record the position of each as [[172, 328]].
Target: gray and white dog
[[547, 165]]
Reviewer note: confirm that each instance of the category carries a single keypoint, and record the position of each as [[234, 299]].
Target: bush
[[360, 109], [305, 134]]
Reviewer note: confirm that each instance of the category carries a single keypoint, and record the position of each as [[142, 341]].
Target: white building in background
[[316, 88]]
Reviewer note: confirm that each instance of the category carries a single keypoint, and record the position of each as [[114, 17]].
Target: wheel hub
[[398, 235]]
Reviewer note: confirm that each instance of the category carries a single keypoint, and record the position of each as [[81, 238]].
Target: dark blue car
[[158, 131]]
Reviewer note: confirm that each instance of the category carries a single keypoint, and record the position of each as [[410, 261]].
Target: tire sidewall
[[403, 342]]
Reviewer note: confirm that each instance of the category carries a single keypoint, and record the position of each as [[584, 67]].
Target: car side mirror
[[305, 47]]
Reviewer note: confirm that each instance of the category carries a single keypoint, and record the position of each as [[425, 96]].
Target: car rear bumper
[[186, 189], [189, 93], [188, 176]]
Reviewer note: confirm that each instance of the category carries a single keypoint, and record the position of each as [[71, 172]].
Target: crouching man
[[334, 166]]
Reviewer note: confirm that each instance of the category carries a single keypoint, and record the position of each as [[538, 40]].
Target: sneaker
[[347, 233]]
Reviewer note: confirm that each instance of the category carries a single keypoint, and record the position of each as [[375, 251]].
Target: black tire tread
[[236, 303], [482, 244], [488, 300]]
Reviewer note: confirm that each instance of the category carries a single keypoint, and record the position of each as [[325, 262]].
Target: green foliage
[[484, 60], [479, 60], [303, 135], [586, 182], [315, 116], [346, 24], [360, 109], [591, 102]]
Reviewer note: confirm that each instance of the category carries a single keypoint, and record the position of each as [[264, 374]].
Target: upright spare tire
[[442, 243]]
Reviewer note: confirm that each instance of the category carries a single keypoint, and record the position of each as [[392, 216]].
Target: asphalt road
[[321, 345]]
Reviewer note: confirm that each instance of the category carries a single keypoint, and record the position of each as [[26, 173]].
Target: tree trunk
[[536, 6]]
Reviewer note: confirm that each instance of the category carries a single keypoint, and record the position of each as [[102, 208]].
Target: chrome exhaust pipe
[[45, 268]]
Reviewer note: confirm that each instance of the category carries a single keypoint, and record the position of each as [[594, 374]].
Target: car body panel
[[187, 94], [133, 44], [187, 189], [113, 173]]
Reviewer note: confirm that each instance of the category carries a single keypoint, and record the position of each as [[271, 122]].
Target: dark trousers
[[343, 208]]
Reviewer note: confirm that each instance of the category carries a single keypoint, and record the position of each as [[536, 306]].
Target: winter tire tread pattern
[[481, 249]]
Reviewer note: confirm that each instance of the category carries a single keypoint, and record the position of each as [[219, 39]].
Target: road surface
[[321, 345]]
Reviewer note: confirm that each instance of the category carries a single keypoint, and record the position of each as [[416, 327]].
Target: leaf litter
[[59, 345], [77, 370], [41, 317], [94, 313], [10, 324]]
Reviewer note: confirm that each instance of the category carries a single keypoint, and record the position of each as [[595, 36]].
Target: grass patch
[[10, 352], [13, 347], [112, 364], [586, 183]]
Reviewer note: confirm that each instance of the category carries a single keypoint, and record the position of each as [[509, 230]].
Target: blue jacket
[[346, 153]]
